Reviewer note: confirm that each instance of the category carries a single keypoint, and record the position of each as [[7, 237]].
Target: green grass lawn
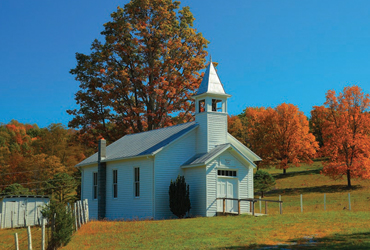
[[328, 230]]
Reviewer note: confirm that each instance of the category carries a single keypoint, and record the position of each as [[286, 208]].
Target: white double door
[[227, 188]]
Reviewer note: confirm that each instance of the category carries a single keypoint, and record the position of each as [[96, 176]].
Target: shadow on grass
[[292, 174], [318, 189], [358, 241]]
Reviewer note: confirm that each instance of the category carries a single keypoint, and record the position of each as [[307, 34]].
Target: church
[[130, 178]]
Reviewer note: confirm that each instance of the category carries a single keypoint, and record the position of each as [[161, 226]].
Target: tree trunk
[[284, 171], [261, 194], [349, 178]]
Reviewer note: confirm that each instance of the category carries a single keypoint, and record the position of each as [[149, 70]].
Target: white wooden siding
[[244, 175], [217, 129], [126, 205], [167, 167], [202, 132], [195, 178], [87, 190]]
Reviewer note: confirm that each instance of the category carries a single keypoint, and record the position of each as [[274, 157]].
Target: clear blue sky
[[268, 52]]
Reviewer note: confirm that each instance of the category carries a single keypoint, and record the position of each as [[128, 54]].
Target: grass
[[329, 230], [7, 238]]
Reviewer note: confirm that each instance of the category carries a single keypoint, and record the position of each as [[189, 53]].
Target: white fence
[[21, 211]]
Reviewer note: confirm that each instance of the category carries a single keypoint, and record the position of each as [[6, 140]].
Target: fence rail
[[251, 201]]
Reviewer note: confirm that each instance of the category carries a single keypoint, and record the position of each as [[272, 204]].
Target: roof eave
[[210, 94]]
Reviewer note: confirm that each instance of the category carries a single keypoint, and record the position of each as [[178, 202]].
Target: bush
[[179, 197], [61, 221], [263, 181]]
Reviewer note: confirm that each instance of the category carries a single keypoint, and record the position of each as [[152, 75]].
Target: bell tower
[[211, 111]]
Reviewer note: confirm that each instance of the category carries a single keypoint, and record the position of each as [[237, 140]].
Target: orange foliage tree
[[346, 134], [147, 69], [236, 128], [280, 136]]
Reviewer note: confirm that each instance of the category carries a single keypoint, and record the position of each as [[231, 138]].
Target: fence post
[[265, 207], [16, 241], [43, 235], [253, 207], [260, 205], [324, 202], [281, 207], [224, 209], [87, 210], [0, 221], [29, 238], [75, 215], [349, 201], [301, 204], [239, 207]]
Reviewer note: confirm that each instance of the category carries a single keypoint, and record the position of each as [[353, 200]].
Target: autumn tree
[[346, 133], [236, 128], [143, 74], [280, 136]]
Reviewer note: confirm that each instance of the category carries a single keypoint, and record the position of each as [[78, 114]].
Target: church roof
[[211, 82], [141, 144]]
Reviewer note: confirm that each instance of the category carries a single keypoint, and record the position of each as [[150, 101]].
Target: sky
[[269, 52]]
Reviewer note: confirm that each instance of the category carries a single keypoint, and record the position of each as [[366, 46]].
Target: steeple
[[211, 82], [211, 111]]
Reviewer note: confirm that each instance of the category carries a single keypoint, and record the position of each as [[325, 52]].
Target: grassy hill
[[337, 227]]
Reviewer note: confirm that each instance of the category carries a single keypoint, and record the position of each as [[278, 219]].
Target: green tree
[[179, 197], [61, 220], [263, 181], [63, 187], [16, 189], [146, 69]]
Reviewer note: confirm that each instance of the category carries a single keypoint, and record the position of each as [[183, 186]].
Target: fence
[[251, 202], [79, 211]]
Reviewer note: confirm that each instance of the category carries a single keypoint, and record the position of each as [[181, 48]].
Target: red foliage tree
[[280, 136], [346, 134]]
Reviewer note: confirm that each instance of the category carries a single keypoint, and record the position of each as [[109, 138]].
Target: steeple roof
[[211, 82]]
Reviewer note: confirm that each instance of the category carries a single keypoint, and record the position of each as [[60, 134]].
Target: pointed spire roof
[[211, 82]]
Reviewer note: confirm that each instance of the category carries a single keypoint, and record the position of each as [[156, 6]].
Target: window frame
[[95, 186], [115, 183], [227, 173], [136, 182]]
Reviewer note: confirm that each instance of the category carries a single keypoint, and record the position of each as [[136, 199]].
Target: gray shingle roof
[[200, 159], [144, 143]]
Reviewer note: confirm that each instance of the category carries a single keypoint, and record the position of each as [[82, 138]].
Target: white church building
[[131, 177]]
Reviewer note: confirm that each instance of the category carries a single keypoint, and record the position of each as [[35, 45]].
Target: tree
[[236, 128], [179, 197], [63, 187], [62, 223], [146, 70], [317, 119], [263, 181], [346, 134], [15, 189], [280, 136]]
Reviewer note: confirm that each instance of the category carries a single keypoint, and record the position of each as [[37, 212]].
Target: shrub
[[263, 181], [179, 197], [61, 221]]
